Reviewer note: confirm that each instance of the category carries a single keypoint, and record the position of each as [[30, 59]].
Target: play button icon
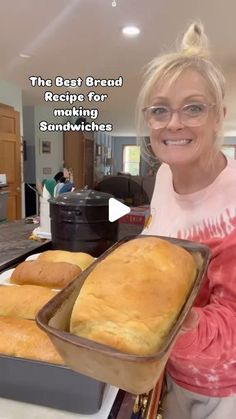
[[116, 209]]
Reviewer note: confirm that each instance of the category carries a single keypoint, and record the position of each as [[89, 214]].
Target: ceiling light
[[25, 55], [131, 30]]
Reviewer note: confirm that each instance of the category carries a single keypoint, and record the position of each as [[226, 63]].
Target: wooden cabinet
[[10, 158], [79, 156]]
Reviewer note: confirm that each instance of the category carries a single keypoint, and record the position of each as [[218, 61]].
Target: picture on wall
[[45, 147]]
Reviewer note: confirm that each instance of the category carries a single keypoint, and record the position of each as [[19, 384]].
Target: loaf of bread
[[47, 274], [132, 298], [22, 338], [83, 260], [23, 301]]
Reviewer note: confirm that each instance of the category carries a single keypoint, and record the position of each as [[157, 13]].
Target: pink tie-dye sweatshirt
[[204, 359]]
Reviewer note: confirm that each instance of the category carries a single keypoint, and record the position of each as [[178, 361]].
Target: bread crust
[[132, 298], [48, 274], [83, 260], [22, 338], [23, 301]]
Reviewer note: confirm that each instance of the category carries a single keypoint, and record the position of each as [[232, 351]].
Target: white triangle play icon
[[116, 209]]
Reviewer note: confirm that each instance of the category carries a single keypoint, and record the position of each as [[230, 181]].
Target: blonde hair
[[194, 53]]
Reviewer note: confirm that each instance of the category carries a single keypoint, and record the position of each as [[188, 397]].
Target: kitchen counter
[[119, 407], [15, 245], [11, 409]]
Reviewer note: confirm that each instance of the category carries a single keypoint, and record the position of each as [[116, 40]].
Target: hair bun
[[195, 41]]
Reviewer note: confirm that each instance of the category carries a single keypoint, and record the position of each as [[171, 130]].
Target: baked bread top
[[23, 338], [44, 273], [24, 300], [132, 298], [83, 260]]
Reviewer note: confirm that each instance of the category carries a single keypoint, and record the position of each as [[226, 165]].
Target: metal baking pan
[[135, 374], [49, 385]]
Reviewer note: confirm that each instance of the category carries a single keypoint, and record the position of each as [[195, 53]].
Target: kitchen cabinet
[[79, 156], [10, 158]]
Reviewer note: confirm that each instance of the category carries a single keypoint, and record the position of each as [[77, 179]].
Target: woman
[[195, 198]]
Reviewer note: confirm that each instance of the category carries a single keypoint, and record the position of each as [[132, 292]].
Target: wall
[[12, 95], [230, 140], [54, 161]]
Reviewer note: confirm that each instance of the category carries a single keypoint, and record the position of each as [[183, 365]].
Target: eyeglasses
[[191, 115]]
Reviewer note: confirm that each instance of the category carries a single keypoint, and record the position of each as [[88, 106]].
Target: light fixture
[[113, 3], [22, 55], [131, 31]]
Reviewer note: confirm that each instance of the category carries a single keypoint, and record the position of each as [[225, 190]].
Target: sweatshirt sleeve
[[213, 340]]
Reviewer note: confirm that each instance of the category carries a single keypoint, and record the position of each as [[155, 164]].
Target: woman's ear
[[224, 111]]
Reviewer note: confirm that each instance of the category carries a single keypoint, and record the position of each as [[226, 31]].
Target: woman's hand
[[190, 322]]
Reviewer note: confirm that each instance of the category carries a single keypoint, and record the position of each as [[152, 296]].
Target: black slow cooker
[[79, 222]]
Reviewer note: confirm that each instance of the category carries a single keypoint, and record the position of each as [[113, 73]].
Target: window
[[131, 159]]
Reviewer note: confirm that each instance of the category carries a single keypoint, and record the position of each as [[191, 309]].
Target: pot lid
[[82, 197]]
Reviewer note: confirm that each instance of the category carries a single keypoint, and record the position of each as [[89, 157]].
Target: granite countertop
[[15, 243]]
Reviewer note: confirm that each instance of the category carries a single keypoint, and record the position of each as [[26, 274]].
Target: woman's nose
[[175, 122]]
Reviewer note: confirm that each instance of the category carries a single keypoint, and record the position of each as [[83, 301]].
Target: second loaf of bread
[[132, 297], [23, 338], [23, 301], [47, 274], [81, 259]]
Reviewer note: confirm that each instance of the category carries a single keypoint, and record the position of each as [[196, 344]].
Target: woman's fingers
[[190, 322]]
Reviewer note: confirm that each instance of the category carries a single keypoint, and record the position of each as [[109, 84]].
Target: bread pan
[[49, 385], [135, 374]]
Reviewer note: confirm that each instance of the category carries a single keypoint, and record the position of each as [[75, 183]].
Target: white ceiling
[[77, 38]]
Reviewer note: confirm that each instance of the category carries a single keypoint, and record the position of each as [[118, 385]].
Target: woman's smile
[[175, 142]]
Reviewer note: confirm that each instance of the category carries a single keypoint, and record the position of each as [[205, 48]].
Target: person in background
[[58, 176], [51, 187], [48, 187], [182, 104], [60, 181], [68, 183]]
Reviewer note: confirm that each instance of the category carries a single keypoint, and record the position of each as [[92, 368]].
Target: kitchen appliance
[[79, 222]]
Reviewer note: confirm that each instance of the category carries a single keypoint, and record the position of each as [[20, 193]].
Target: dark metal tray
[[49, 385]]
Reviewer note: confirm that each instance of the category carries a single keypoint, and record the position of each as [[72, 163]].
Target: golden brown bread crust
[[23, 301], [83, 260], [22, 338], [47, 274], [132, 298]]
